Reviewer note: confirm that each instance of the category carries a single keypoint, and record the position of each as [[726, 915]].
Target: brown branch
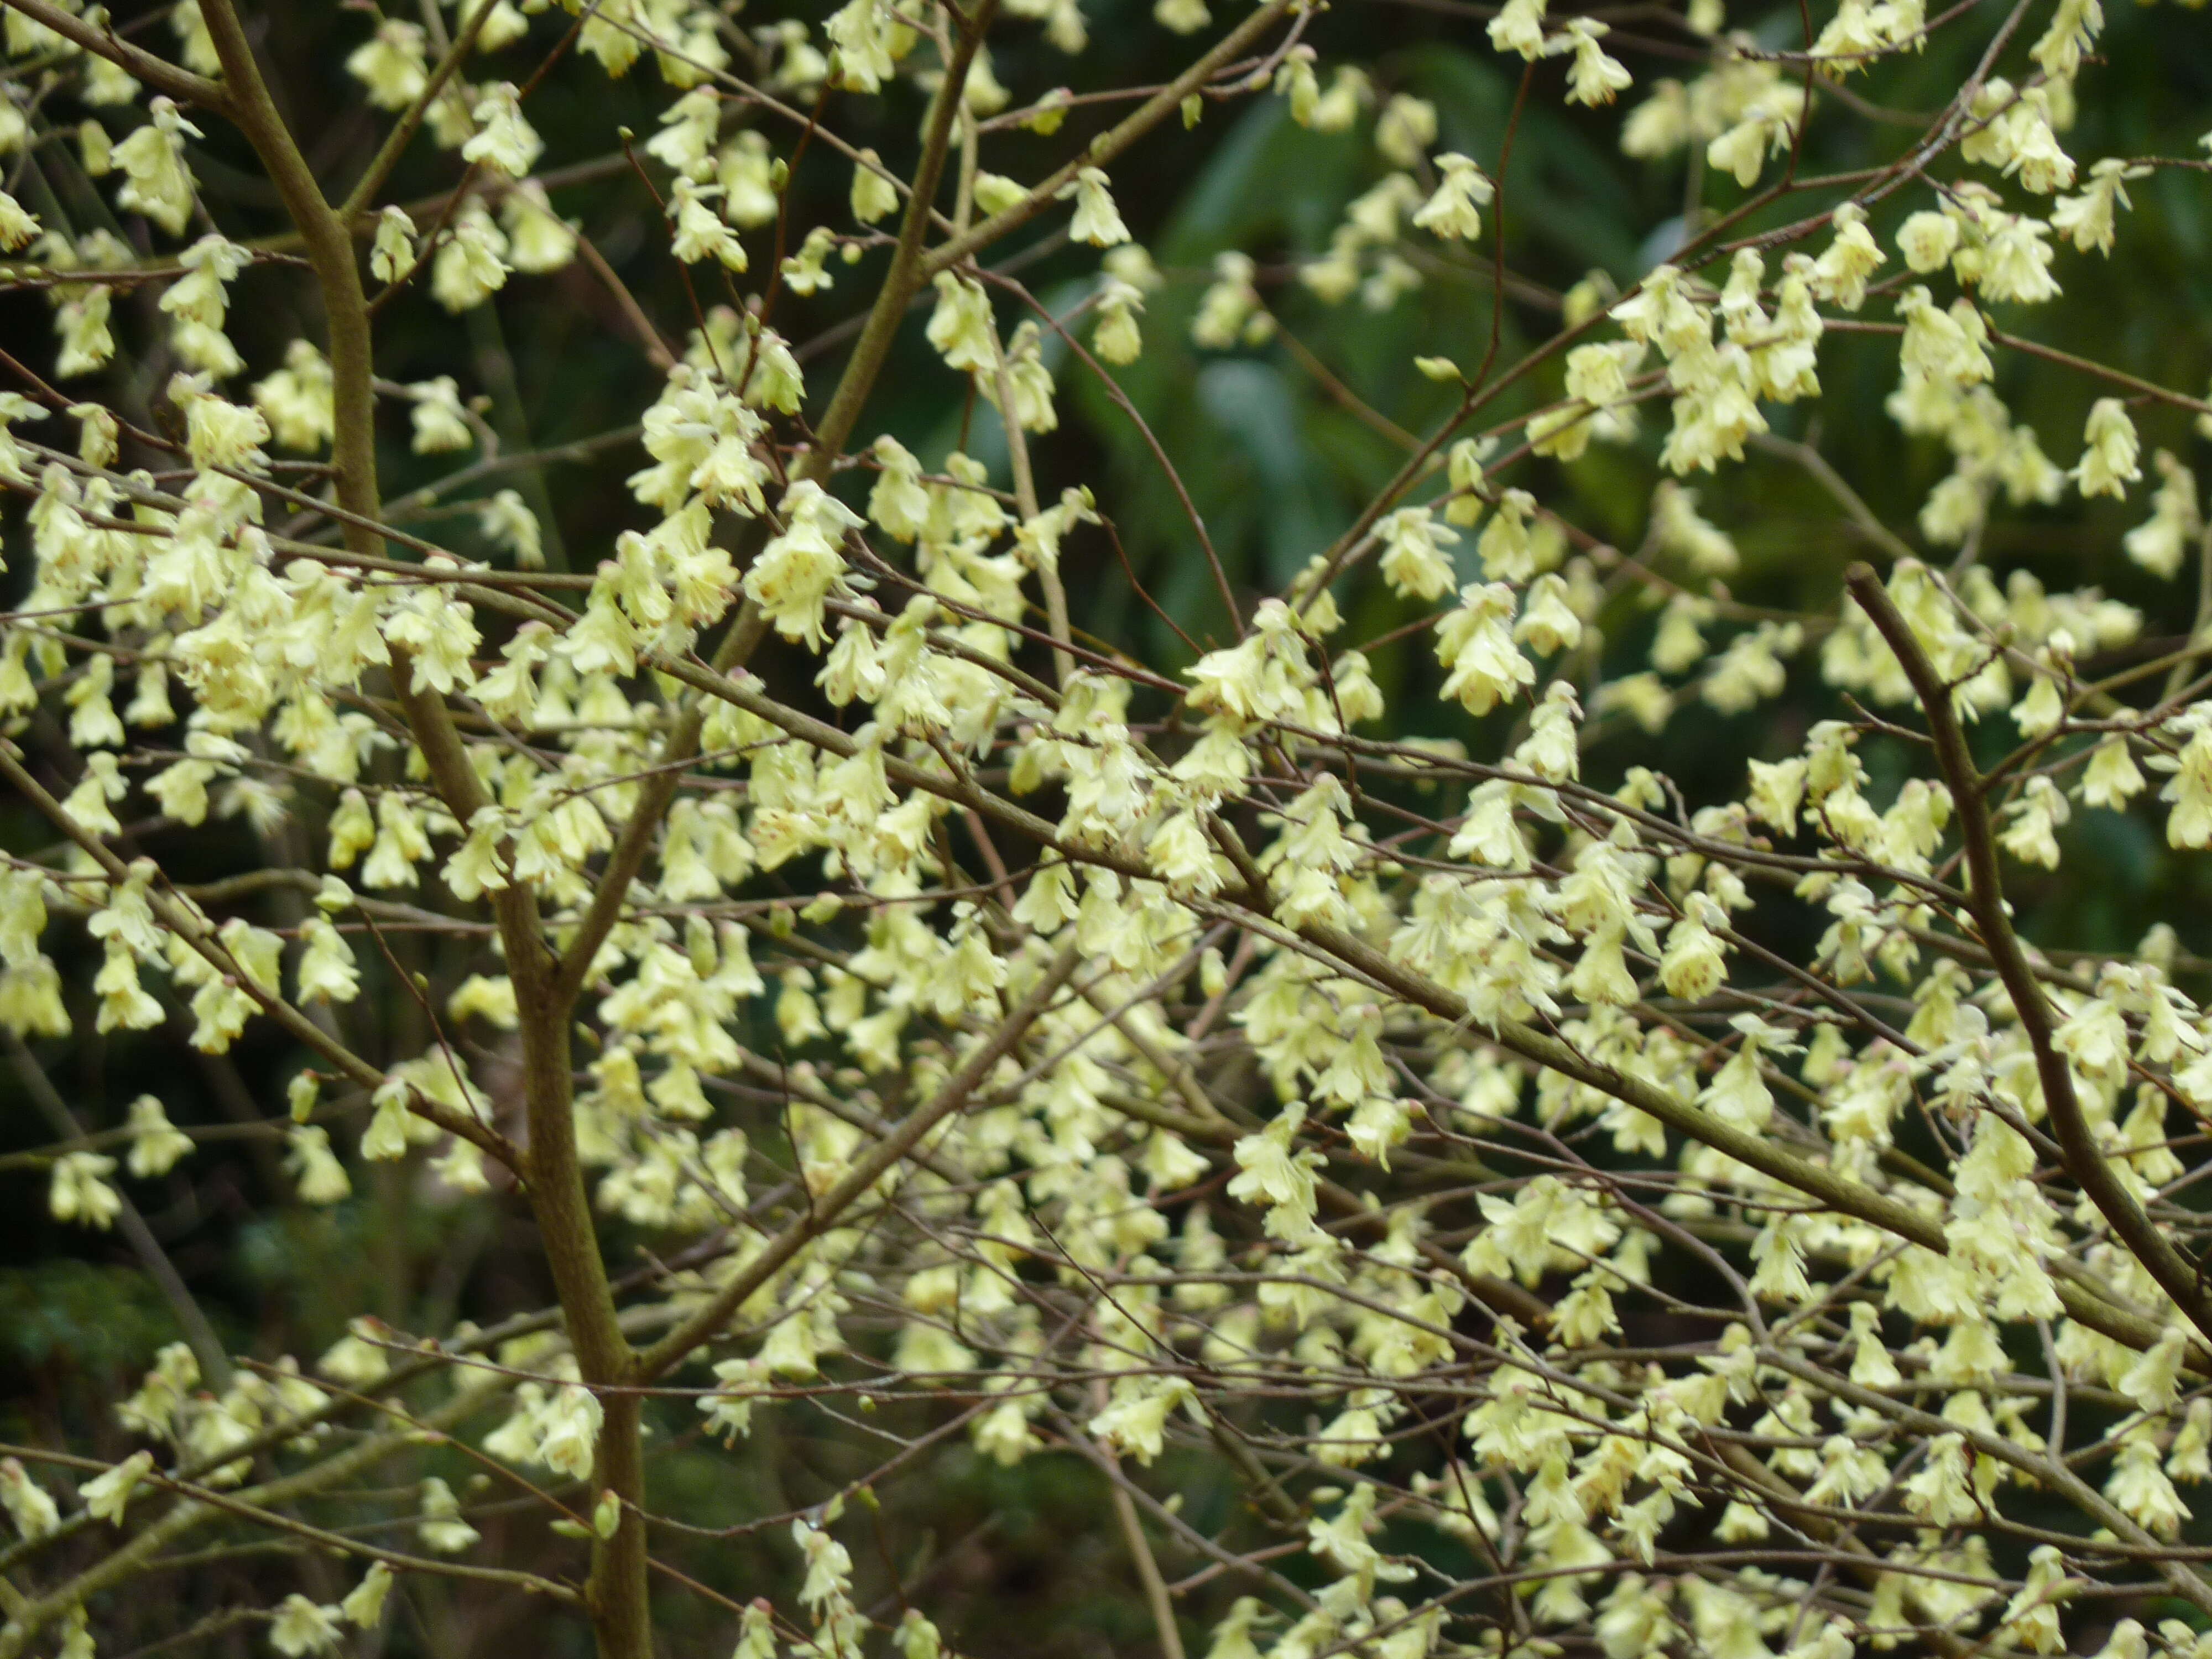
[[617, 1595], [410, 119], [1148, 1570], [1761, 1152], [1103, 149], [156, 72], [195, 932], [2084, 1160], [1120, 399], [749, 626], [120, 1564], [192, 1320], [708, 1321], [909, 270]]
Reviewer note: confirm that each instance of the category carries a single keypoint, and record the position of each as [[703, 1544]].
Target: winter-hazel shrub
[[1577, 1215]]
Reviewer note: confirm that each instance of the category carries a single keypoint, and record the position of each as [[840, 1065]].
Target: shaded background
[[1024, 1561]]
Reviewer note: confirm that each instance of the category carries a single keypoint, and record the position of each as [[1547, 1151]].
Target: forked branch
[[2085, 1160]]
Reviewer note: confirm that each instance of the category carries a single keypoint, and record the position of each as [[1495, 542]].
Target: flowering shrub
[[1575, 1210]]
